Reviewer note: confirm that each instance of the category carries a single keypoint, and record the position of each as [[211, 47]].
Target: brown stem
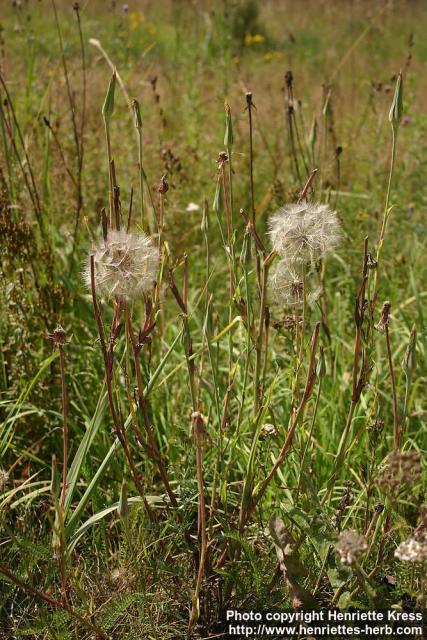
[[153, 449], [359, 379], [108, 365], [258, 343], [197, 421], [311, 377]]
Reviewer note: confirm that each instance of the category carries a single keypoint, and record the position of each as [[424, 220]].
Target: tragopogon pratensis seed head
[[286, 284], [306, 231], [126, 265]]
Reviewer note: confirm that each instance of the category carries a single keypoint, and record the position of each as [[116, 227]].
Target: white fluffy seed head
[[126, 265], [286, 284], [306, 231]]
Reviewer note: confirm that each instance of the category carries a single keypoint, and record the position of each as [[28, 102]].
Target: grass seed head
[[305, 231], [126, 265]]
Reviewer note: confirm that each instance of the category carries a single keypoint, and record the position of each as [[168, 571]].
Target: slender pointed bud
[[228, 136], [123, 506], [409, 361], [321, 368], [396, 110], [108, 106], [55, 483], [216, 205], [56, 537], [137, 114], [205, 218], [269, 259], [312, 137], [327, 106]]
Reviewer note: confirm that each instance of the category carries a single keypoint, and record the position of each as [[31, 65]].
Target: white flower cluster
[[126, 265], [350, 546], [413, 549], [300, 234]]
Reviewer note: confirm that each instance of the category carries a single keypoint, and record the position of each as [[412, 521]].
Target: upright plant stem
[[385, 218], [385, 323], [110, 175], [108, 365], [359, 377], [259, 337], [228, 210], [249, 106], [80, 144], [294, 422], [141, 176], [65, 424], [155, 454]]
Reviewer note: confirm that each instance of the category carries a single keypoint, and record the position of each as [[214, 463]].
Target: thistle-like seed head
[[305, 231], [126, 265], [286, 284]]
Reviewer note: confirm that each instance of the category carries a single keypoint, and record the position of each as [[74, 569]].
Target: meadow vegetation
[[212, 312]]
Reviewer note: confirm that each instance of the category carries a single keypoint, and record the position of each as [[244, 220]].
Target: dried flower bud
[[371, 263], [163, 185], [136, 114], [385, 317], [58, 336]]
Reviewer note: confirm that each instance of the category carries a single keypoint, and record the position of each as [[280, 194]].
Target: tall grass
[[206, 444]]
